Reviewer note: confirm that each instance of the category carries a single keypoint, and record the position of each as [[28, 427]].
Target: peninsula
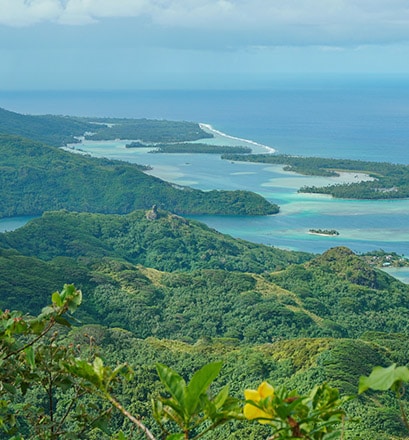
[[388, 181]]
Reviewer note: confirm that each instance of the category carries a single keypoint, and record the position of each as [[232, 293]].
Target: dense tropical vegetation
[[50, 129], [35, 178], [292, 319], [61, 383], [390, 181], [190, 147], [61, 130], [146, 130], [181, 332]]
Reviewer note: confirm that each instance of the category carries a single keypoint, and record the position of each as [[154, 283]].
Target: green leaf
[[174, 383], [30, 356], [221, 398], [9, 388], [84, 370], [99, 369], [62, 321], [24, 386], [124, 370], [199, 383], [56, 299], [67, 291], [74, 300], [37, 326], [383, 379], [175, 437], [46, 312]]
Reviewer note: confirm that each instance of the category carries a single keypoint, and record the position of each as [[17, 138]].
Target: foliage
[[168, 243], [172, 278], [384, 379], [190, 406], [52, 130], [315, 416], [35, 178], [30, 358], [60, 130], [196, 148], [390, 378], [347, 293], [80, 389], [390, 180], [146, 130]]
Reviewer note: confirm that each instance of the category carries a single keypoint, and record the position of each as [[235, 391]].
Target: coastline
[[321, 234], [209, 129]]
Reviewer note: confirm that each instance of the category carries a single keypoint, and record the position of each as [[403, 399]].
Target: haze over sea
[[356, 118]]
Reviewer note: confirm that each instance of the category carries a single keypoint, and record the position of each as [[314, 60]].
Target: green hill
[[160, 288], [166, 243], [50, 129], [170, 290], [195, 281], [60, 130], [35, 178]]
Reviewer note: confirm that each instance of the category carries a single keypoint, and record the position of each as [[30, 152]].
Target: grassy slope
[[243, 318], [192, 273]]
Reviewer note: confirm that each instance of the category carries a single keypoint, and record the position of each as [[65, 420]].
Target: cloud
[[231, 22], [26, 13]]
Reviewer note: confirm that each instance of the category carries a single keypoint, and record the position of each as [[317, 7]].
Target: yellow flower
[[253, 412]]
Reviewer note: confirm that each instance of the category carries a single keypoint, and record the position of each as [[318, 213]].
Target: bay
[[363, 225], [12, 223], [359, 118]]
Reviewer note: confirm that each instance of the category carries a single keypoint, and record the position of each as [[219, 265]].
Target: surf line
[[208, 127]]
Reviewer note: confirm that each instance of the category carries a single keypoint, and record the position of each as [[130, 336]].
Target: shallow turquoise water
[[363, 225], [12, 223], [359, 118]]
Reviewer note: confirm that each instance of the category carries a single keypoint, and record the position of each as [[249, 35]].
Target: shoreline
[[209, 128], [322, 234]]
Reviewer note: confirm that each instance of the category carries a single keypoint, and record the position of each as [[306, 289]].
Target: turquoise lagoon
[[363, 225], [362, 117]]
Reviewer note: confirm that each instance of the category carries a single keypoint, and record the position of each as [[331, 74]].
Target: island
[[190, 147], [385, 180], [329, 232]]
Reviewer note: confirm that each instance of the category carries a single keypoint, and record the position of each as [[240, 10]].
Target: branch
[[404, 418], [133, 419], [43, 333]]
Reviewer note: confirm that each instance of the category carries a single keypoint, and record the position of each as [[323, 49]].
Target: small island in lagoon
[[325, 232], [189, 147]]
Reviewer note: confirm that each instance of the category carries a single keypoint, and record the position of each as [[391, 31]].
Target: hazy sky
[[132, 44]]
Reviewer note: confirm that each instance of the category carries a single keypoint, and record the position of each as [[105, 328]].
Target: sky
[[168, 44]]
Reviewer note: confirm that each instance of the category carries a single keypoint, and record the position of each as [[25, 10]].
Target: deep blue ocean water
[[349, 118], [359, 119]]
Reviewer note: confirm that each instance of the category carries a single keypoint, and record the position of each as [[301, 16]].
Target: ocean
[[350, 118], [345, 118]]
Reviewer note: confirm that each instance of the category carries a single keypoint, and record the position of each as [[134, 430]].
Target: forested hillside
[[167, 242], [35, 178], [169, 290], [157, 287], [60, 130], [175, 278], [50, 129]]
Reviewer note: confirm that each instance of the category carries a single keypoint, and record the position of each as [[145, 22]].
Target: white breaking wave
[[209, 128]]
